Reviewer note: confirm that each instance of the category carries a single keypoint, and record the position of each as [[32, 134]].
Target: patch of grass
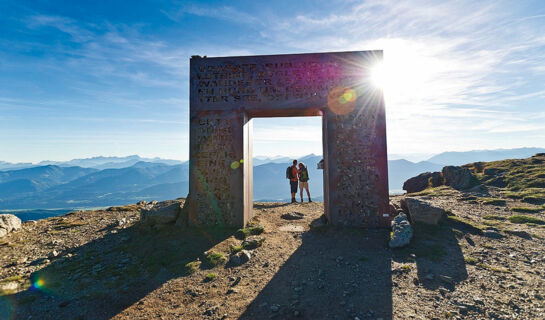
[[255, 229], [212, 259], [467, 224], [191, 267], [527, 209], [494, 217], [406, 267], [253, 243], [520, 219], [130, 207], [363, 258], [492, 268], [210, 277], [471, 260], [493, 201], [235, 249], [241, 234], [436, 192], [64, 224], [13, 278]]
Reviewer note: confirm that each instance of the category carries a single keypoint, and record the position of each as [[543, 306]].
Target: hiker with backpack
[[292, 173], [303, 180]]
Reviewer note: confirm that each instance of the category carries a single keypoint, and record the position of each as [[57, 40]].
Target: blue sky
[[87, 78]]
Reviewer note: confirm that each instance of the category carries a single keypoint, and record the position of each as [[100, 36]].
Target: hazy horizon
[[413, 157]]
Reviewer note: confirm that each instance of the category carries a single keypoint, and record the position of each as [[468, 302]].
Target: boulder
[[9, 223], [402, 232], [422, 211], [423, 181], [459, 178], [252, 242], [164, 212], [239, 258]]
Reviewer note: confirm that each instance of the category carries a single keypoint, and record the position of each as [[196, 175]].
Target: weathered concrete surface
[[226, 93]]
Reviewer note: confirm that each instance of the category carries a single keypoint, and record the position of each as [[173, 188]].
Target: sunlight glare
[[377, 75]]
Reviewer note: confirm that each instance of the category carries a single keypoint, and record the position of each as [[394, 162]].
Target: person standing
[[292, 173], [303, 180]]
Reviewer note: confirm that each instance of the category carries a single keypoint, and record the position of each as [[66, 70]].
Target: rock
[[164, 212], [402, 232], [183, 217], [239, 258], [275, 308], [493, 234], [9, 223], [53, 254], [252, 242], [459, 178], [10, 286], [232, 290], [142, 203], [422, 211], [293, 216], [423, 181]]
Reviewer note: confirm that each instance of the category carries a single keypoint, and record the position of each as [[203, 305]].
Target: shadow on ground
[[105, 276], [266, 205], [330, 276], [437, 253]]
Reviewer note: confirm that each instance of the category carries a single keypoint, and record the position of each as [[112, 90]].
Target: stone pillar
[[356, 167], [217, 169]]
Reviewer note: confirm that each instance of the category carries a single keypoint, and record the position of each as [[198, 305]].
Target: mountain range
[[108, 181]]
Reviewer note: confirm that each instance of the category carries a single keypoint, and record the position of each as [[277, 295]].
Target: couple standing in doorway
[[298, 176]]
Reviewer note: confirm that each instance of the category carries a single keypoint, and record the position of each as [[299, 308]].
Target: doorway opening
[[276, 143]]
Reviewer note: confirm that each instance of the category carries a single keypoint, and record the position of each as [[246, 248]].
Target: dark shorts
[[293, 185]]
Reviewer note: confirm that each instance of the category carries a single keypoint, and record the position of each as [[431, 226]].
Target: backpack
[[289, 174]]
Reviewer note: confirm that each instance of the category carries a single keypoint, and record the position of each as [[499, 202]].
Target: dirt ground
[[103, 264]]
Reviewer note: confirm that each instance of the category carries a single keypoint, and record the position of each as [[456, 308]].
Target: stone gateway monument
[[227, 92]]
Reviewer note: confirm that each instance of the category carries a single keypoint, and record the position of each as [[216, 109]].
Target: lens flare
[[38, 284], [342, 100], [235, 165]]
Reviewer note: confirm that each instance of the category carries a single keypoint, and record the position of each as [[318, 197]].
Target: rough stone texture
[[402, 232], [226, 93], [457, 177], [240, 257], [422, 211], [8, 223], [423, 181], [164, 212], [252, 242]]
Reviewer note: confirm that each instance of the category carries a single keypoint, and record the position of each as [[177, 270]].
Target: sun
[[378, 75]]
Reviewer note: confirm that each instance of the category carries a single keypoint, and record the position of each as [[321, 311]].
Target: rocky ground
[[476, 264]]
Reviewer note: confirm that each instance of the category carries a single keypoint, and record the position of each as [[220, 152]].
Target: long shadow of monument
[[334, 274], [437, 253], [103, 277]]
